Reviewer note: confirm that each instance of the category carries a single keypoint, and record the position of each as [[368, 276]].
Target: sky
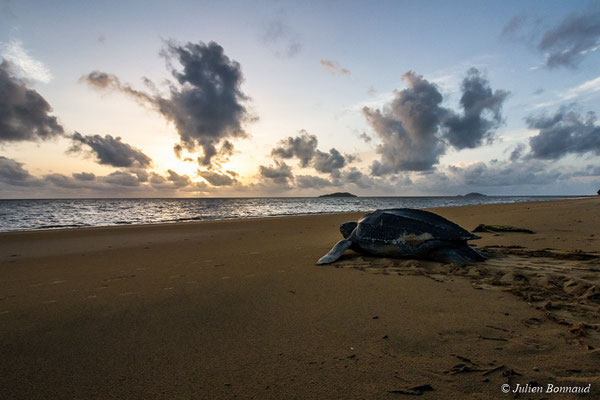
[[276, 98]]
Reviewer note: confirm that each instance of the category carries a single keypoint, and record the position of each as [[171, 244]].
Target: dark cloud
[[518, 152], [408, 127], [334, 68], [302, 147], [503, 173], [282, 40], [84, 176], [122, 178], [314, 182], [357, 178], [24, 113], [415, 130], [329, 163], [105, 81], [365, 137], [567, 43], [514, 25], [564, 44], [110, 151], [13, 173], [565, 132], [117, 180], [75, 181], [206, 105], [217, 179], [472, 128], [172, 181], [281, 173]]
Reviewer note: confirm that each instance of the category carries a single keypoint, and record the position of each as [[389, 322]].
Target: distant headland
[[339, 194], [473, 194]]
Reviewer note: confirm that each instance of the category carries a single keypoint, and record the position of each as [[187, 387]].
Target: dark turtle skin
[[406, 233]]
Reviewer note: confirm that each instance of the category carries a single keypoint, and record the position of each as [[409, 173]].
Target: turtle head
[[346, 229]]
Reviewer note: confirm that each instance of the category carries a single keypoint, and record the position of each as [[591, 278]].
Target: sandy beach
[[238, 309]]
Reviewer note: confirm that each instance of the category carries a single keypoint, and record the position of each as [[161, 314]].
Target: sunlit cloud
[[31, 68], [586, 89]]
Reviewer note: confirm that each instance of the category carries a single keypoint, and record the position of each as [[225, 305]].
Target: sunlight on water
[[16, 215]]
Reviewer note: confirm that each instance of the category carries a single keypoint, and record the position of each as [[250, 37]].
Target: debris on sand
[[500, 229], [413, 391]]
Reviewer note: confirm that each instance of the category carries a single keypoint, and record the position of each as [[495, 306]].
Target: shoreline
[[238, 308], [237, 218]]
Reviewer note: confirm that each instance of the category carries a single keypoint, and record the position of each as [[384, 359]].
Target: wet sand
[[238, 309]]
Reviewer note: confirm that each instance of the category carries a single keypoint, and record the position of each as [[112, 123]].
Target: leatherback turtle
[[407, 233]]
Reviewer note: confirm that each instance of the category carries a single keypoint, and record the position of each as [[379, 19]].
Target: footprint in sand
[[116, 278]]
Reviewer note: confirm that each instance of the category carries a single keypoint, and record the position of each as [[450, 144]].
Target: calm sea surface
[[19, 215]]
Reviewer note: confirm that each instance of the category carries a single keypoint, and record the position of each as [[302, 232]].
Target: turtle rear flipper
[[335, 252], [461, 255]]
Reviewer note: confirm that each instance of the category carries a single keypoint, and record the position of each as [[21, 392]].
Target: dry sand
[[238, 309]]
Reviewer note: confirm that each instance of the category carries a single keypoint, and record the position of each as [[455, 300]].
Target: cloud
[[24, 113], [575, 36], [415, 130], [329, 163], [504, 173], [218, 179], [110, 151], [517, 153], [12, 173], [122, 178], [105, 81], [304, 148], [585, 90], [33, 69], [282, 40], [356, 177], [84, 176], [280, 173], [565, 132], [472, 128], [76, 181], [514, 25], [15, 179], [172, 181], [564, 44], [365, 137], [407, 128], [206, 105], [314, 182], [334, 68]]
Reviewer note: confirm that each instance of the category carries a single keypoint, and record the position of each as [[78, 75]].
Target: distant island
[[339, 194], [473, 194]]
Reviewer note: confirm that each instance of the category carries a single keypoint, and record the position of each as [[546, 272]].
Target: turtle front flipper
[[335, 252]]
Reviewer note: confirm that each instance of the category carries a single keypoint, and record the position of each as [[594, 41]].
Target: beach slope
[[238, 309]]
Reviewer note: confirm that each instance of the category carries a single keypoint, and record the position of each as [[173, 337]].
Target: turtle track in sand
[[564, 286]]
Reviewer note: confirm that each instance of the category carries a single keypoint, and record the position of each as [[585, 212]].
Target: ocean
[[22, 215]]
